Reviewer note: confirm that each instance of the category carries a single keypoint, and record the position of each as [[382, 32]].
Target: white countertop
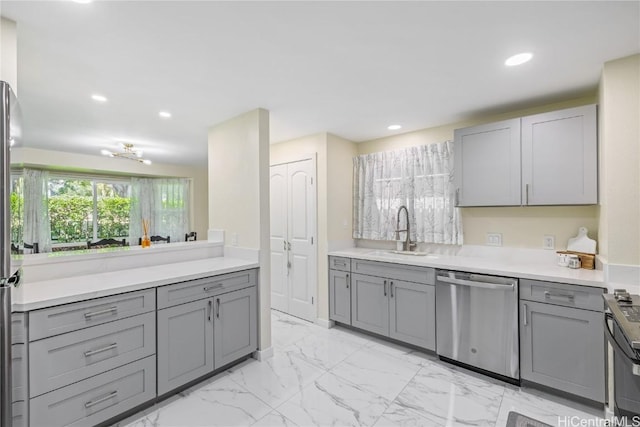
[[47, 293], [495, 266]]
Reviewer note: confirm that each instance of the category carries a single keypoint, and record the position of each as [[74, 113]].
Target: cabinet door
[[339, 296], [560, 157], [412, 309], [370, 303], [185, 343], [487, 164], [235, 326], [563, 348]]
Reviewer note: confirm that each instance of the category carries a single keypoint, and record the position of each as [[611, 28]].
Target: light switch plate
[[494, 239]]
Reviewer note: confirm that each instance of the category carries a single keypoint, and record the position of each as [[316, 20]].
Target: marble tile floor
[[339, 377]]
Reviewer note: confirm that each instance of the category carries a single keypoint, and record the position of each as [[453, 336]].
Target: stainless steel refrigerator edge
[[6, 129], [477, 322]]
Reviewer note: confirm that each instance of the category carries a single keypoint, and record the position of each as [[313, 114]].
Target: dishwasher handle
[[475, 284]]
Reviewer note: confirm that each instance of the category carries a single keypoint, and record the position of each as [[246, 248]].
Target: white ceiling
[[350, 68]]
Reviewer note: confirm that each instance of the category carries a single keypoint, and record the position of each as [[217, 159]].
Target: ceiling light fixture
[[128, 152], [518, 59], [99, 98], [165, 114], [394, 127]]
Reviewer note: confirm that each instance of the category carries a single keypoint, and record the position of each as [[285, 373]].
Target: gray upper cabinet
[[185, 343], [412, 313], [563, 348], [340, 296], [370, 304], [559, 157], [543, 159], [235, 326], [487, 164]]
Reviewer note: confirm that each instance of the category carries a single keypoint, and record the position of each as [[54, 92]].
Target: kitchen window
[[420, 178]]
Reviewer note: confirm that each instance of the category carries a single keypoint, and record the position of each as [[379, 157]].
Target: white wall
[[520, 226], [58, 160], [239, 194], [9, 53], [620, 161]]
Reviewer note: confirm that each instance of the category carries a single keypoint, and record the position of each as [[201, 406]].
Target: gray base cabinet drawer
[[19, 372], [19, 414], [340, 296], [563, 348], [193, 290], [388, 270], [339, 263], [585, 297], [18, 328], [71, 317], [98, 398], [64, 359]]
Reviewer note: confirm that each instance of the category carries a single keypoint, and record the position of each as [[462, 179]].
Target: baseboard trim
[[262, 355], [325, 323]]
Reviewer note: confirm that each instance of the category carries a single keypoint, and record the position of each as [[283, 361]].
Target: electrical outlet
[[549, 242], [494, 239]]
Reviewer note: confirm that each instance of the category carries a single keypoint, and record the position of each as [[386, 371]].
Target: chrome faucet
[[407, 245]]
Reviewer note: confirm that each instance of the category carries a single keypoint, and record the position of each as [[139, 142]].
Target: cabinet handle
[[209, 308], [384, 288], [391, 288], [457, 196], [100, 350], [526, 194], [91, 403], [210, 288], [549, 295], [218, 308], [525, 320], [110, 310], [347, 280]]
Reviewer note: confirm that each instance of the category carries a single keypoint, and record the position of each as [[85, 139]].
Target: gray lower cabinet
[[235, 327], [563, 348], [340, 296], [197, 337], [185, 343], [370, 303], [96, 399], [412, 313]]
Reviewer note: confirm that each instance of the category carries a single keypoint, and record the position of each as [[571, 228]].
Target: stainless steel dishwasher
[[477, 322]]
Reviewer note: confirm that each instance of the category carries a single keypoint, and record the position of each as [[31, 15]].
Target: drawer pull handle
[[91, 403], [209, 310], [100, 350], [110, 310], [210, 288], [391, 288], [549, 295], [347, 280], [218, 308], [384, 288]]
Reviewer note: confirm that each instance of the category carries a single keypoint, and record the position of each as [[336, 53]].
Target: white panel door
[[301, 232], [293, 246], [279, 270]]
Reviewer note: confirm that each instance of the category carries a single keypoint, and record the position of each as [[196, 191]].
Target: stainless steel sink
[[414, 253]]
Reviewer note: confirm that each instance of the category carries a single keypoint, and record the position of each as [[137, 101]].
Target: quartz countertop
[[48, 293], [536, 270]]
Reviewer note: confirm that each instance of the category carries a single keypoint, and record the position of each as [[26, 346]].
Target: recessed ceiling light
[[518, 59], [165, 114], [99, 98], [394, 127]]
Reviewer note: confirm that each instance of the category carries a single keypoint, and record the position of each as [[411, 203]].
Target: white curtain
[[420, 178], [164, 202], [37, 227]]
